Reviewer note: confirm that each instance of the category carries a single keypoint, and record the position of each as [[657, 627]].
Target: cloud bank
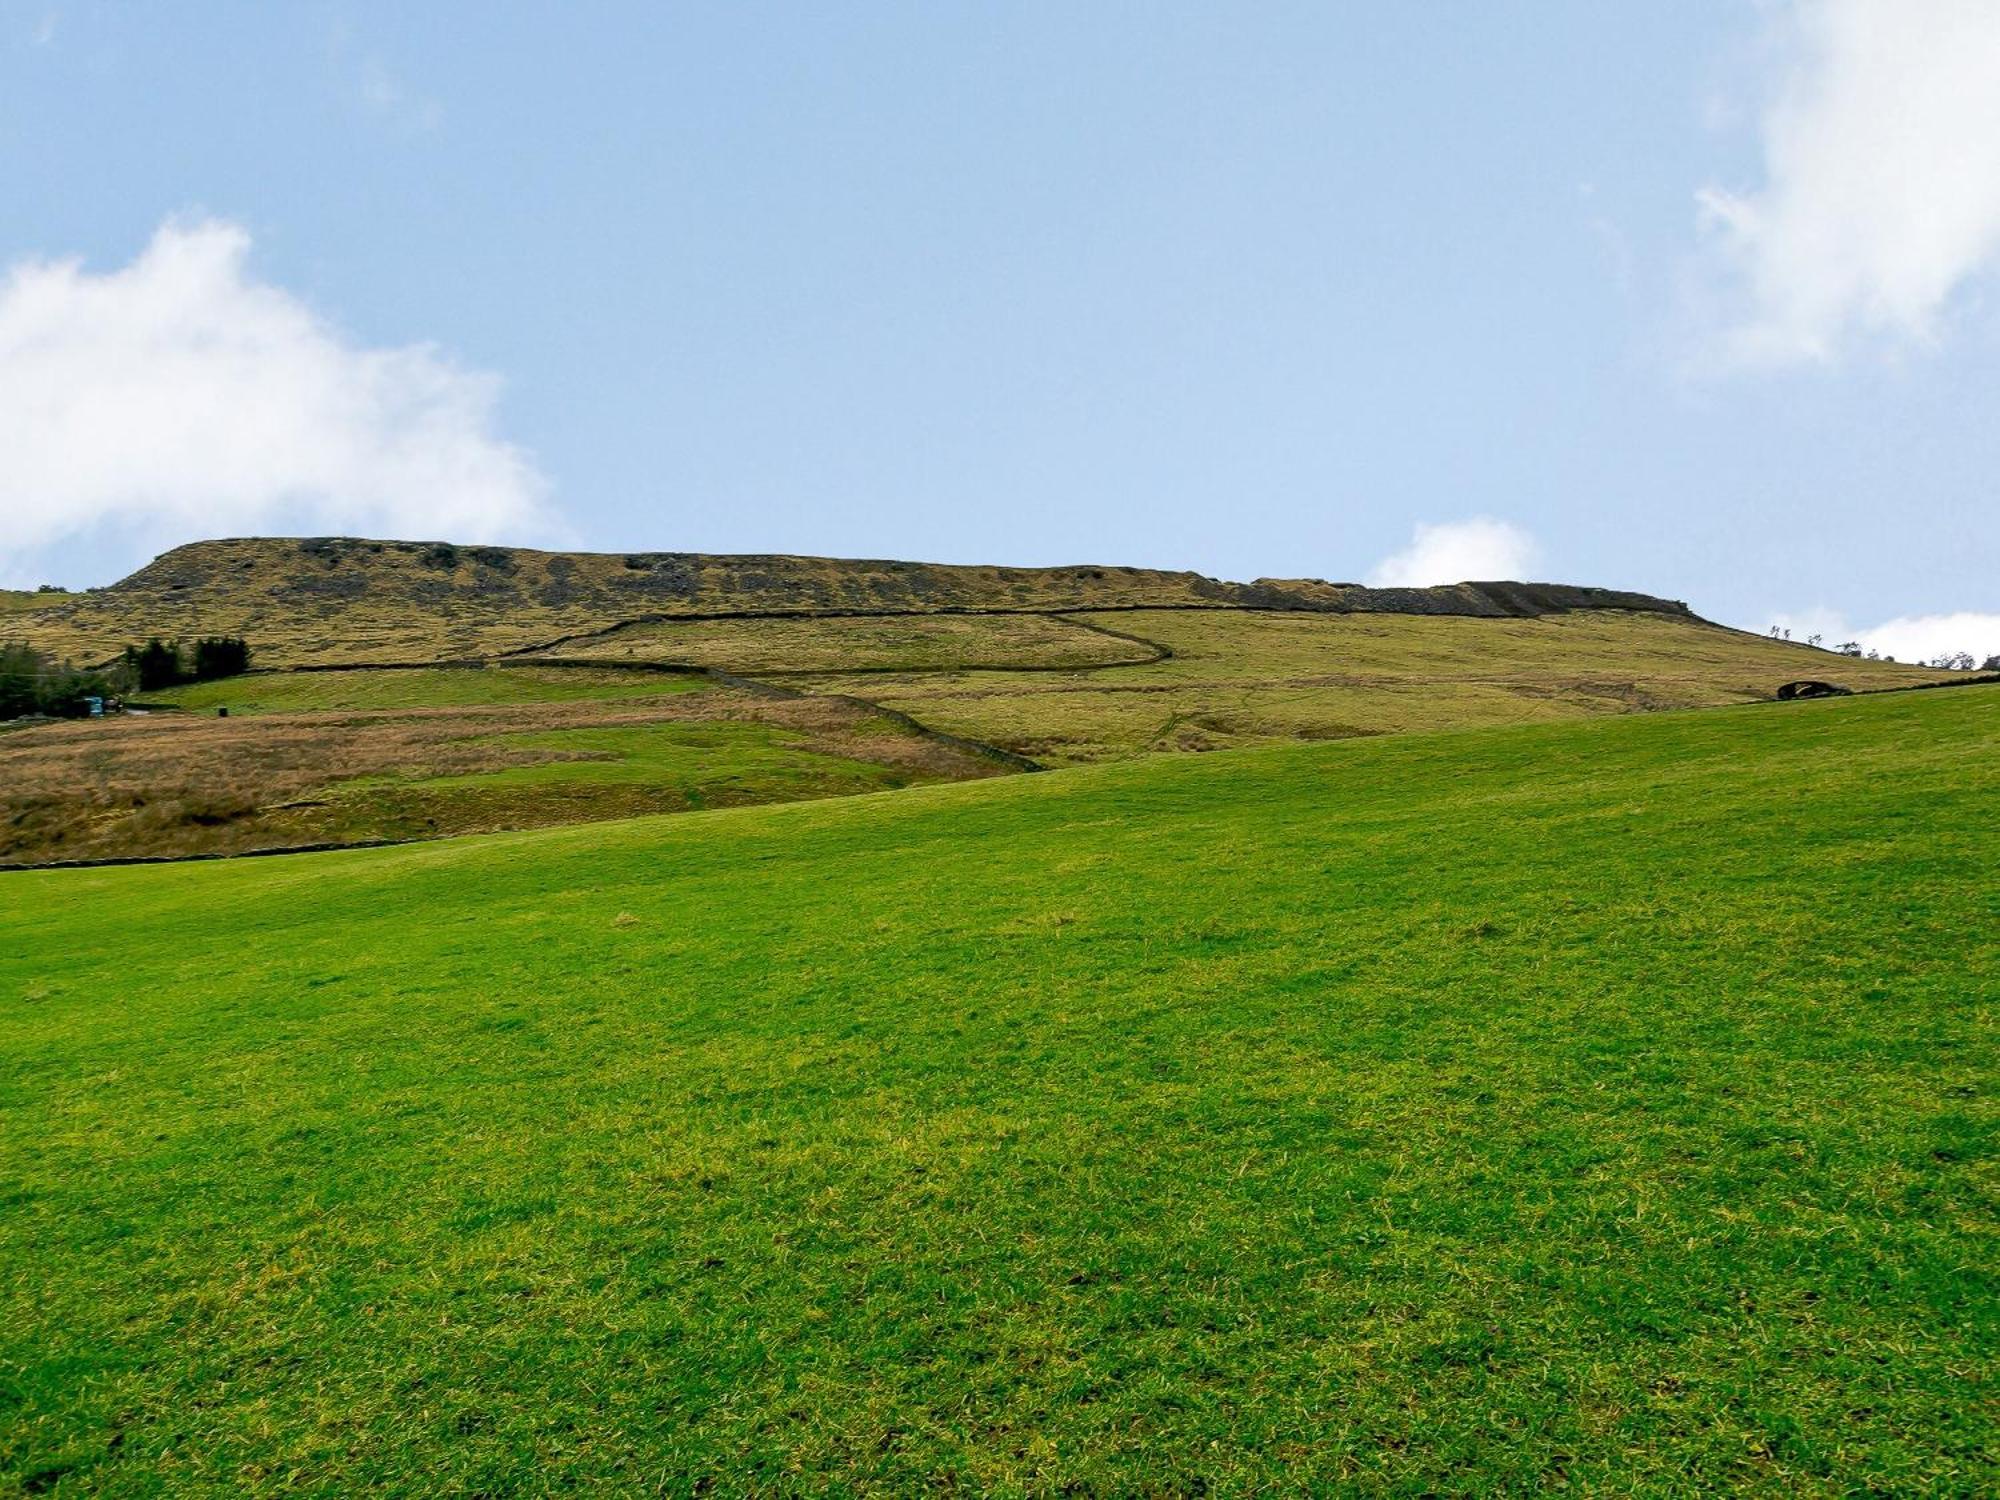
[[1881, 192], [179, 397], [1918, 638], [1478, 550]]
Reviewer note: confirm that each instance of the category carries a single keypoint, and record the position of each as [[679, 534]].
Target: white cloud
[[1907, 638], [1881, 192], [179, 397], [1478, 550]]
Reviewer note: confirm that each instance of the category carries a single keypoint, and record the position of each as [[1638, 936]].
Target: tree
[[1849, 648], [65, 691], [31, 683], [155, 665], [20, 673], [220, 656], [164, 664], [1991, 664]]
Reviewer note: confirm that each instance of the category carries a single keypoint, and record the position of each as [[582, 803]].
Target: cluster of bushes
[[163, 664], [31, 683]]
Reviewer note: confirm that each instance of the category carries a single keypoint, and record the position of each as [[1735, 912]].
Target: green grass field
[[436, 687], [690, 754], [1603, 1105], [25, 601], [607, 771], [865, 643]]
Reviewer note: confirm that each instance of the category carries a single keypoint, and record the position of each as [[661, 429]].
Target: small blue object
[[96, 707]]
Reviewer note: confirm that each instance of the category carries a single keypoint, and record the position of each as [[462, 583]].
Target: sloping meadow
[[353, 757], [1605, 1105]]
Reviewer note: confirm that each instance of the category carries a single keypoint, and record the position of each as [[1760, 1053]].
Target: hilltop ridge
[[320, 600]]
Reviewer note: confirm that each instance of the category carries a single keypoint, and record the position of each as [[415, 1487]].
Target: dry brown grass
[[176, 784], [367, 602]]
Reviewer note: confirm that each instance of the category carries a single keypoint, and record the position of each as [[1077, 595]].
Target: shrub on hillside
[[154, 665], [19, 668], [31, 683], [220, 656]]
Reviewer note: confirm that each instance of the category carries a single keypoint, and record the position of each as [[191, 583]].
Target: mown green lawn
[[1606, 1105]]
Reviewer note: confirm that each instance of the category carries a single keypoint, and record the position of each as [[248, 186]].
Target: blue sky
[[1692, 298]]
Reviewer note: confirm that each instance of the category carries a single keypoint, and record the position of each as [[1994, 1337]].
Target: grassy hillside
[[351, 757], [333, 600], [1233, 677], [438, 687], [1061, 666], [865, 643], [356, 755], [20, 601], [1602, 1105]]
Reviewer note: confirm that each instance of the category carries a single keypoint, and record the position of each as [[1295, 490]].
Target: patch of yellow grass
[[1244, 677], [914, 643]]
